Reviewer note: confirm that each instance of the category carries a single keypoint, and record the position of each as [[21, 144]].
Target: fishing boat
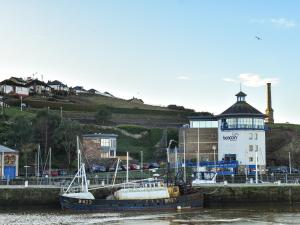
[[148, 194]]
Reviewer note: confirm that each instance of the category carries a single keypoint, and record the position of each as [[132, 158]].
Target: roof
[[37, 82], [100, 135], [56, 82], [7, 150], [18, 80], [93, 90], [203, 118], [11, 83], [241, 94], [242, 108]]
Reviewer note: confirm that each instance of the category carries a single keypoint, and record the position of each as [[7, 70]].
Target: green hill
[[84, 109], [282, 139]]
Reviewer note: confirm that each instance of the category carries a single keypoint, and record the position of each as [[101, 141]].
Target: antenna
[[240, 86]]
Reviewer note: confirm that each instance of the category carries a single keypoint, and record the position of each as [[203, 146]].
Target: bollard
[[26, 183], [251, 180], [225, 183]]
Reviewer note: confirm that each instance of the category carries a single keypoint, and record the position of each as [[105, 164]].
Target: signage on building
[[232, 137]]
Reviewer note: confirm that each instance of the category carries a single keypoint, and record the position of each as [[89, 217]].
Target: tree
[[20, 132], [44, 126], [103, 115], [65, 137]]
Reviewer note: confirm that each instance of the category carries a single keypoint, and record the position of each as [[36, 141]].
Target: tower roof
[[241, 94], [241, 108]]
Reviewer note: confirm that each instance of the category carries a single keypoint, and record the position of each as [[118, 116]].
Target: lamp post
[[168, 158], [184, 160], [290, 163], [21, 103], [256, 172], [214, 147], [26, 167]]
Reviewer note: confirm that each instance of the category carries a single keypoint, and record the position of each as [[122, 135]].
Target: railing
[[243, 127]]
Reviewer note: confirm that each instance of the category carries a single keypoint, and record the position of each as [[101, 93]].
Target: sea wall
[[36, 196], [214, 196], [237, 195]]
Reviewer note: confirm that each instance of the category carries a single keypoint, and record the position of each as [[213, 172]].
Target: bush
[[133, 129], [103, 115]]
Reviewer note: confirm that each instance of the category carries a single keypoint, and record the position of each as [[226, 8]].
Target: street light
[[214, 147], [26, 167], [168, 158], [168, 150]]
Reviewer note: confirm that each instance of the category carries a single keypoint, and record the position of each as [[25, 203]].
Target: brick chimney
[[269, 110]]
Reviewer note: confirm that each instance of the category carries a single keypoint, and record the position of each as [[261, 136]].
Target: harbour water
[[251, 216]]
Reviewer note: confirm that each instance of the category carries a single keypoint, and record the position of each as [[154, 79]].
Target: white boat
[[149, 194]]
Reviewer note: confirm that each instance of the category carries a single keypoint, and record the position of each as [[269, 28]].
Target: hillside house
[[79, 90], [10, 86], [94, 92], [58, 86], [38, 87], [99, 146]]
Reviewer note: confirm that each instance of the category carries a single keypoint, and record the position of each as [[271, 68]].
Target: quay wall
[[237, 195], [34, 196], [214, 196]]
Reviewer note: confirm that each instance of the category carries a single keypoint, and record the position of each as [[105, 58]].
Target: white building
[[240, 134], [58, 86], [10, 86]]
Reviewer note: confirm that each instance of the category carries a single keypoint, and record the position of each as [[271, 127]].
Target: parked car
[[62, 172], [146, 166], [134, 166], [154, 166], [113, 168], [98, 168], [124, 167], [54, 173]]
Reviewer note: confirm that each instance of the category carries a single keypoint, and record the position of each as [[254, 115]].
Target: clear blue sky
[[191, 53]]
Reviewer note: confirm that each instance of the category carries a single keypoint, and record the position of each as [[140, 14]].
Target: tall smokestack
[[269, 110]]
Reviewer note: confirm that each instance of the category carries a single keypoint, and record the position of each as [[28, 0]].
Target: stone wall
[[207, 138]]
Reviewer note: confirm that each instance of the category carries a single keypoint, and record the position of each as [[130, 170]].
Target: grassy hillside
[[84, 108], [152, 142], [282, 139]]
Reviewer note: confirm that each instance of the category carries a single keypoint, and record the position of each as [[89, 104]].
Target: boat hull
[[194, 200]]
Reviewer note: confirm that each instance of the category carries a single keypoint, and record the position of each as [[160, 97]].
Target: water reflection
[[205, 216]]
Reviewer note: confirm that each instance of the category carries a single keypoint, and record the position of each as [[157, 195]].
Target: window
[[250, 159], [250, 136], [256, 136], [105, 142], [112, 153], [256, 147], [204, 124], [250, 148], [113, 143]]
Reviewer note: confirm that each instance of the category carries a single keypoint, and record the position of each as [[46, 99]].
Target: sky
[[184, 52]]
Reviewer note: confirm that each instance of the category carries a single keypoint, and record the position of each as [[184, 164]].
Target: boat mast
[[78, 159], [198, 154], [127, 169], [50, 164], [116, 170], [184, 166]]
